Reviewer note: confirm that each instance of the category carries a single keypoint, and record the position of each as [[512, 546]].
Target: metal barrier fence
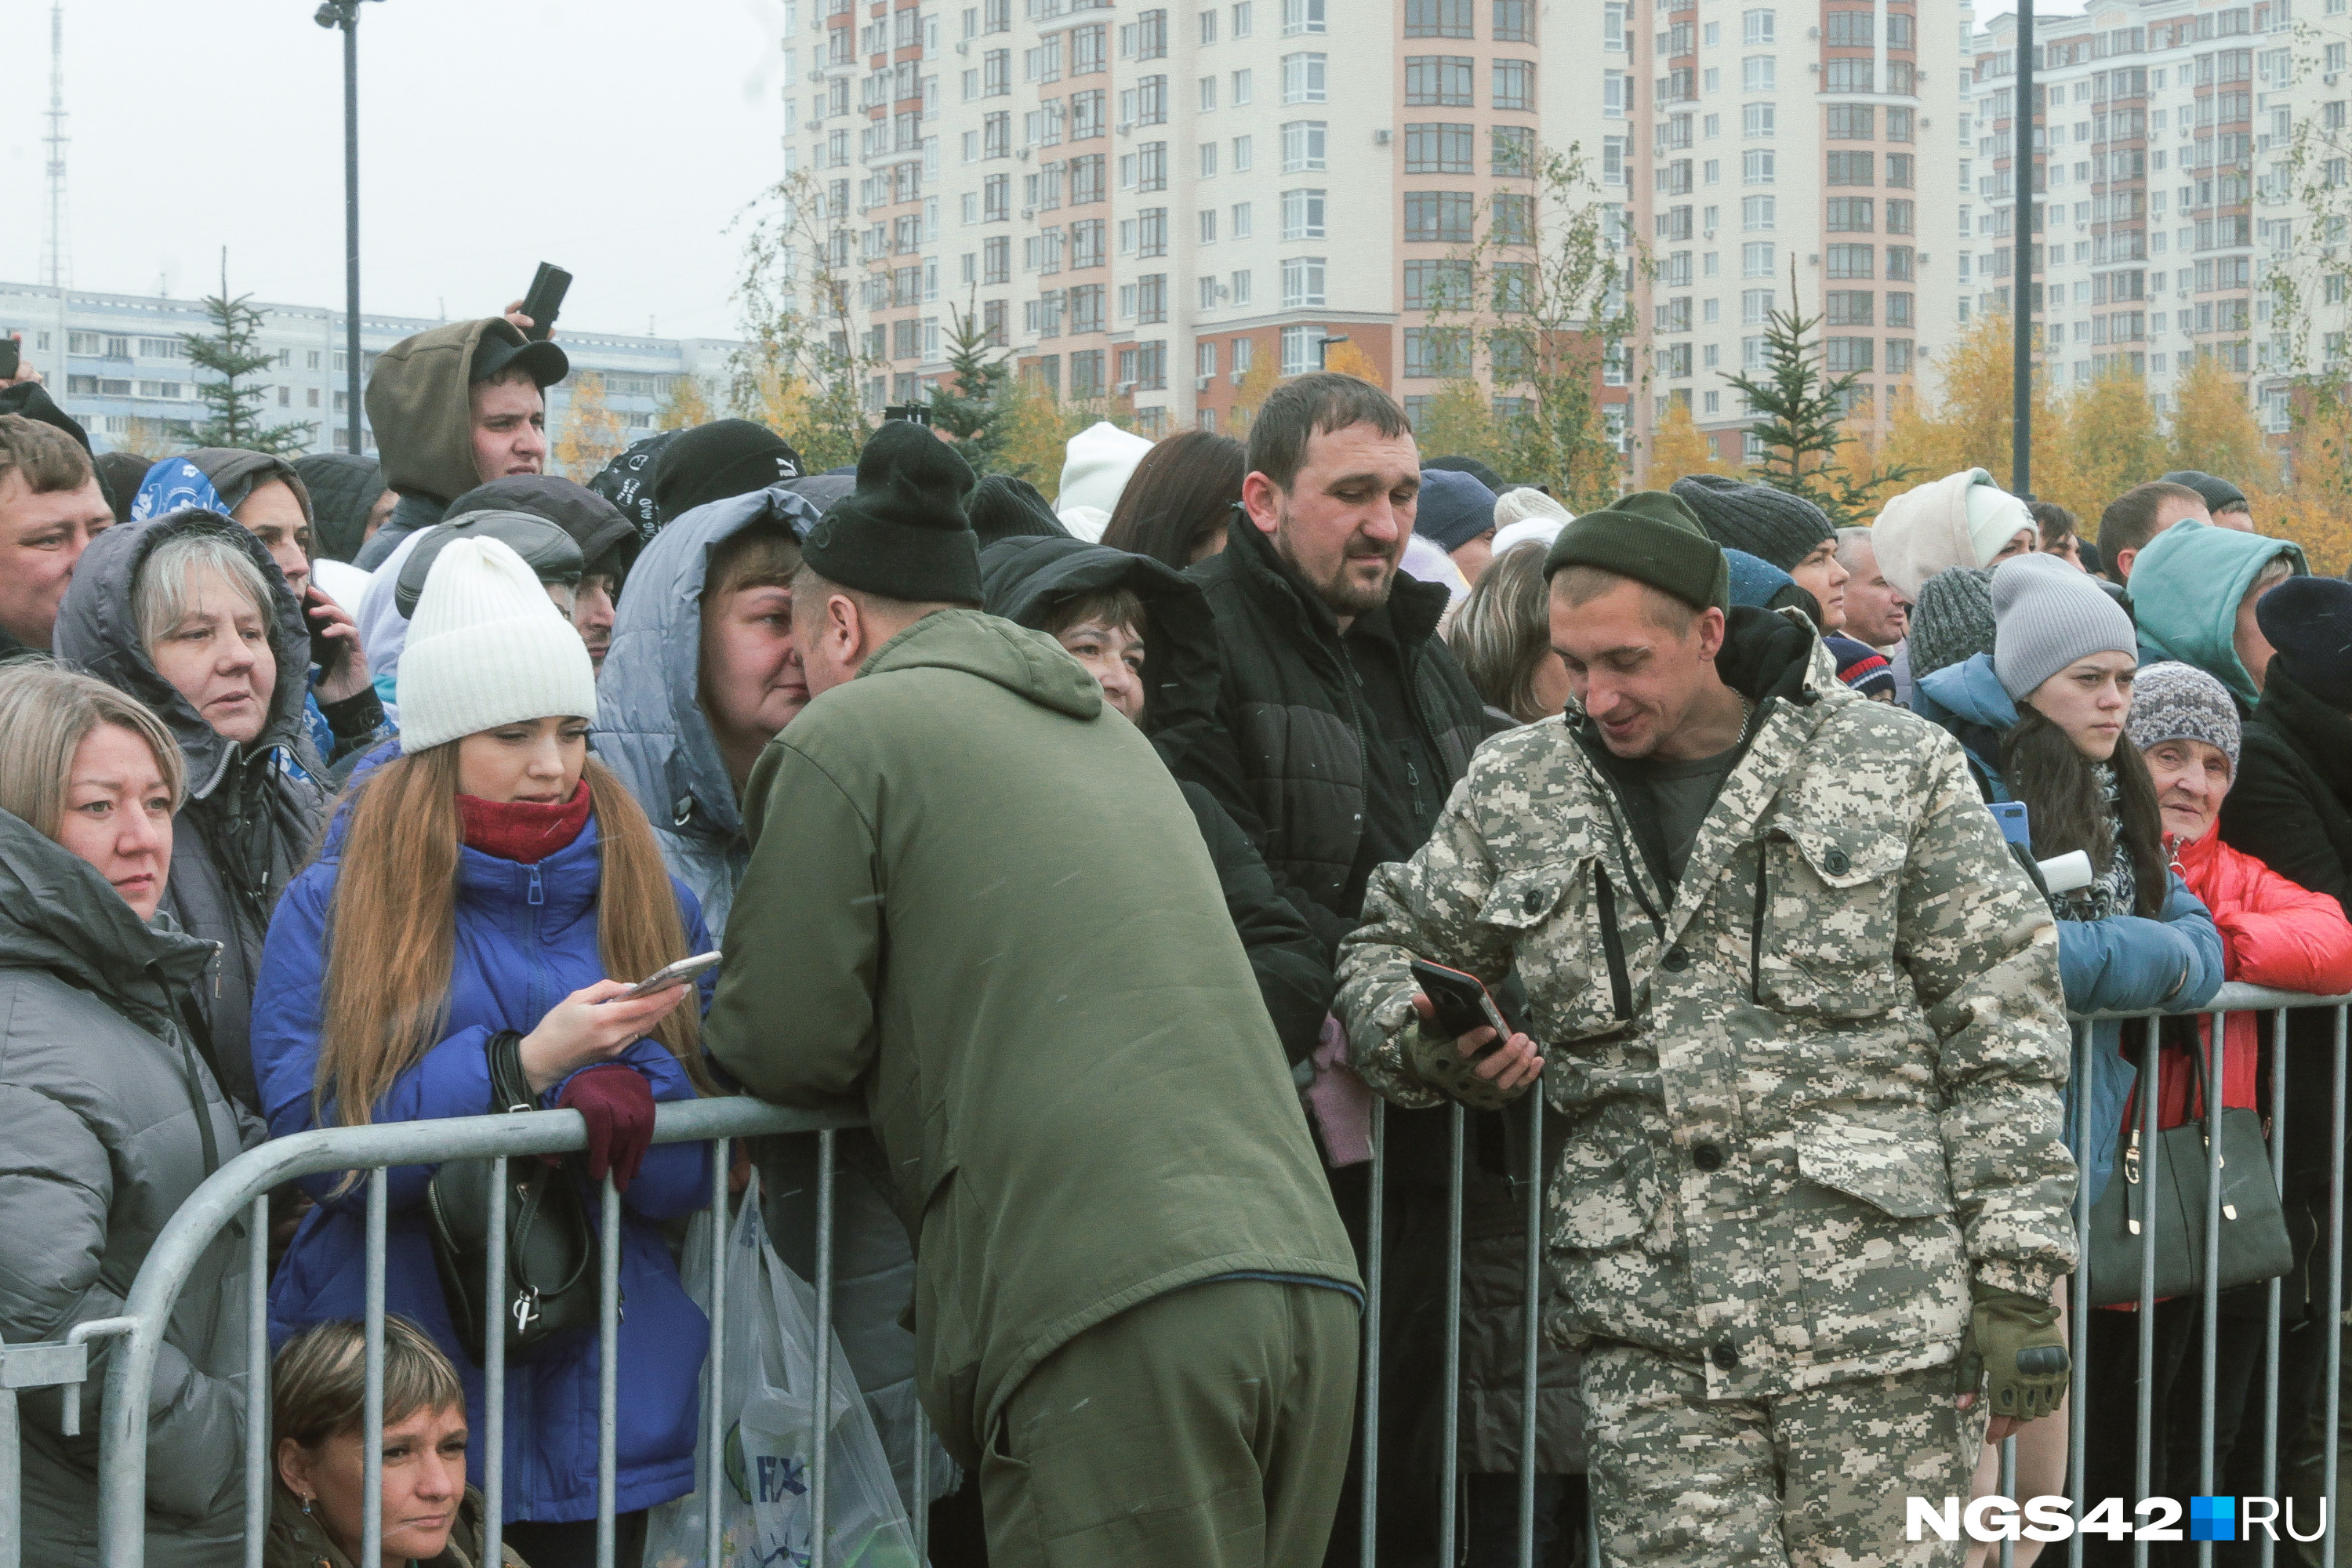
[[241, 1188]]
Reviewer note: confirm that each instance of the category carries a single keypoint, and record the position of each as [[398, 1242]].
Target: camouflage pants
[[1814, 1479]]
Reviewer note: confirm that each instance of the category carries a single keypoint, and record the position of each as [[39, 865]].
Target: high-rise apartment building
[[2158, 120], [1819, 147]]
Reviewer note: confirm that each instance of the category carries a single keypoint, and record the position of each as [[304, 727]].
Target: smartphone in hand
[[1461, 1001], [670, 977], [546, 297]]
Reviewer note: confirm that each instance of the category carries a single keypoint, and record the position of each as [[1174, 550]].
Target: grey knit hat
[[2048, 614], [2172, 701], [1952, 622], [1773, 524]]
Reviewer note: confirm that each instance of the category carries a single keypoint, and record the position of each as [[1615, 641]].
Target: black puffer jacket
[[2290, 806], [250, 820], [114, 1120], [1285, 754], [1024, 579]]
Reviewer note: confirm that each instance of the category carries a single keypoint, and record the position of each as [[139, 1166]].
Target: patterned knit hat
[[1862, 667], [1952, 622], [2172, 701]]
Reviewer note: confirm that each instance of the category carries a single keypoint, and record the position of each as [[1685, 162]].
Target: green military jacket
[[1810, 1091], [978, 908]]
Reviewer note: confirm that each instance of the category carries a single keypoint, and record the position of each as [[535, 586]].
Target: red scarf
[[523, 830]]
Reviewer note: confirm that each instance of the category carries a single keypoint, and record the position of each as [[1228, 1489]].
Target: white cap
[[1100, 458], [486, 646]]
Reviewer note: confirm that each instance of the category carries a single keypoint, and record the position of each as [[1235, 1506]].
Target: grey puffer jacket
[[250, 821], [113, 1118], [650, 727]]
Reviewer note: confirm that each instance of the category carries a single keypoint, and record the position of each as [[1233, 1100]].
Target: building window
[[1898, 357], [1437, 20], [1756, 120], [1756, 27], [1846, 355], [1514, 151], [1208, 226], [996, 259], [1850, 30], [1208, 160], [1755, 214], [1852, 168], [1302, 282], [1435, 148], [1302, 145], [1438, 216], [1433, 353], [1755, 258], [1755, 74], [1086, 373], [1087, 308], [1302, 349], [1241, 296], [1437, 284], [1899, 218], [1302, 78], [1756, 166], [1301, 16], [1241, 154], [1849, 75], [1851, 308], [1851, 215], [1898, 261], [1438, 79], [1898, 311], [1144, 368], [1898, 169], [1514, 23], [1515, 84], [1241, 215], [1851, 122], [1512, 219], [1851, 260], [1302, 214], [1755, 306]]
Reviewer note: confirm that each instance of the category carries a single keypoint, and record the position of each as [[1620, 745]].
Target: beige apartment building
[[1147, 201]]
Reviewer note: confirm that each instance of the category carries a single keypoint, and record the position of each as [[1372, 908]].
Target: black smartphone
[[325, 652], [11, 355], [545, 298], [1461, 1002]]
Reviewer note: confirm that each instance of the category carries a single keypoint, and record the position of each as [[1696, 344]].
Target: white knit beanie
[[486, 646], [1995, 517], [2046, 614], [1098, 460]]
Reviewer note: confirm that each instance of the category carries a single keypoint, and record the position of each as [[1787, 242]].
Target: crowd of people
[[1088, 849]]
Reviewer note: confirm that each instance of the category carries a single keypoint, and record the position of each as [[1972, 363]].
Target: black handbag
[[551, 1254], [2165, 1186]]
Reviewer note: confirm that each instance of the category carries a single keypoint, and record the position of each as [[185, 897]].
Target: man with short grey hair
[[1876, 610]]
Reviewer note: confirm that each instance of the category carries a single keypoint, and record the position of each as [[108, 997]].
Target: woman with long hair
[[2057, 691], [113, 1115], [494, 890], [1179, 500]]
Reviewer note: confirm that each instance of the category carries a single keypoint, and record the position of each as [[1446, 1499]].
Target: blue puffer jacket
[[526, 938], [2120, 964]]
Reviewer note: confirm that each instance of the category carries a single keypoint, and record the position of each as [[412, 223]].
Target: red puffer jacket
[[2274, 933]]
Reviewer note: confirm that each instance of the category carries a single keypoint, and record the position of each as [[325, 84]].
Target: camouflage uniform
[[1811, 1092]]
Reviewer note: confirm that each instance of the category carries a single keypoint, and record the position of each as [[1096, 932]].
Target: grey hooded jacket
[[650, 727], [113, 1118], [249, 821]]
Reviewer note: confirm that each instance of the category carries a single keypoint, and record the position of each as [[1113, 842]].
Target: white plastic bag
[[767, 1394]]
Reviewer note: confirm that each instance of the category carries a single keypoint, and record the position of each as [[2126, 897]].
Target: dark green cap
[[1652, 538]]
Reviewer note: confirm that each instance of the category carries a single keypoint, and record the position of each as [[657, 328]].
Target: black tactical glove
[[2014, 1346], [1437, 1060]]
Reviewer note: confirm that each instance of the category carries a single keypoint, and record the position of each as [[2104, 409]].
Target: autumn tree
[[1680, 447], [1968, 421], [1349, 359], [1458, 421], [2213, 428], [1035, 426], [1803, 412], [805, 354], [2110, 442], [592, 431], [1258, 383], [1542, 300], [687, 405], [232, 356]]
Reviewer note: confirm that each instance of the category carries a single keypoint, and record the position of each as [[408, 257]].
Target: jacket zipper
[[1755, 924], [1621, 983]]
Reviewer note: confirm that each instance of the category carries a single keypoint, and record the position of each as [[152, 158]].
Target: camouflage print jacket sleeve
[[1982, 950]]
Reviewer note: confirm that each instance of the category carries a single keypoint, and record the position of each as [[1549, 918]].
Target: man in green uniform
[[1801, 1014], [978, 905]]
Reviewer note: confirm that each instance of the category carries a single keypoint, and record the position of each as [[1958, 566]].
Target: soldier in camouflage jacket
[[1812, 1091]]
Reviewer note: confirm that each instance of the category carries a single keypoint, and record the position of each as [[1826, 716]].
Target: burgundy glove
[[619, 1107]]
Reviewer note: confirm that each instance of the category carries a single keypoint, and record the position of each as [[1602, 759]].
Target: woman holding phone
[[505, 891]]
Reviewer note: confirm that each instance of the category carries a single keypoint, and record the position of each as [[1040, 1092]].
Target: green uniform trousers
[[1206, 1428], [1815, 1479]]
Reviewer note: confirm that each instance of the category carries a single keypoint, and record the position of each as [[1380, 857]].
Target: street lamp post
[[2021, 462], [346, 13]]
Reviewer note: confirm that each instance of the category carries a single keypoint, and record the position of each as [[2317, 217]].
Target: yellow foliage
[[1037, 426], [2112, 442], [2213, 429], [1258, 384], [1680, 447], [1459, 422], [686, 407], [1349, 359], [779, 400], [591, 432]]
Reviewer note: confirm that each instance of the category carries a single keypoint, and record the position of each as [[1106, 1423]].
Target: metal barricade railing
[[241, 1188], [1529, 1182]]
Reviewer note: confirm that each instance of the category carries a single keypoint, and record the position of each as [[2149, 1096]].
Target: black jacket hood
[[1023, 578], [343, 491], [98, 631]]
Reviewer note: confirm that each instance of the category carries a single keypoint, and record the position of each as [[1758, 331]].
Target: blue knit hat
[[1453, 508]]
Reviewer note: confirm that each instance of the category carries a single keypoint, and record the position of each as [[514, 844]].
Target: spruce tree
[[233, 404], [970, 412], [1804, 409]]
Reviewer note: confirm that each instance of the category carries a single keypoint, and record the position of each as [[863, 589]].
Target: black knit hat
[[712, 462], [1652, 538], [2220, 494], [902, 533], [1780, 528], [1002, 507], [2309, 621]]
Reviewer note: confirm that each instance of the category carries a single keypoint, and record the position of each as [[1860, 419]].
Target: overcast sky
[[615, 137]]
